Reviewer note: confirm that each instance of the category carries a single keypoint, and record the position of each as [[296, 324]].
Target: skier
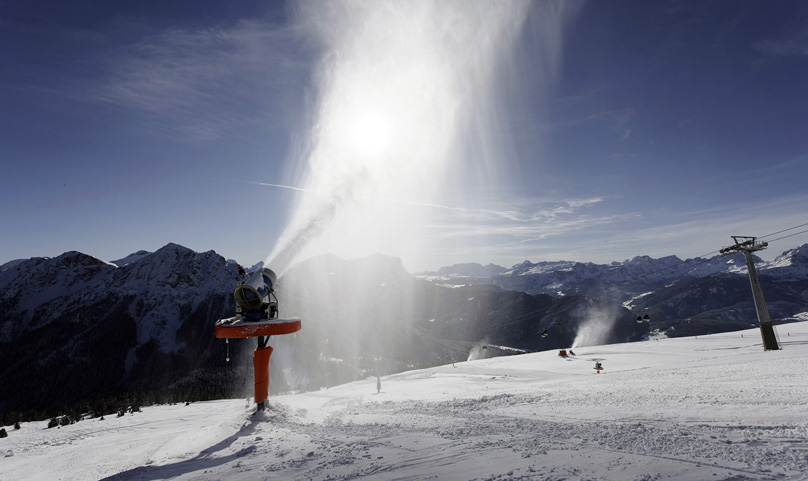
[[378, 384]]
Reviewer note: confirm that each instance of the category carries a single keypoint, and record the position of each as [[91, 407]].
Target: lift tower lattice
[[747, 245]]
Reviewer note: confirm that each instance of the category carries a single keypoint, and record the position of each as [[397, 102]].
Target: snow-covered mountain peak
[[44, 281], [522, 266], [793, 257], [801, 251], [528, 268], [76, 258], [471, 269], [165, 259], [168, 283], [646, 260], [171, 280], [134, 257], [638, 260], [174, 250], [790, 265], [11, 264]]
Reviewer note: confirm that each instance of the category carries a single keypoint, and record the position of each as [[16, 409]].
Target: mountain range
[[714, 293], [77, 332], [633, 275]]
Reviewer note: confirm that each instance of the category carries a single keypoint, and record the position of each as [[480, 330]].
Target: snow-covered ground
[[709, 408]]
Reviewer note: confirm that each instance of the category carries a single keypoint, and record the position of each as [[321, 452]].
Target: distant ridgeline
[[80, 335]]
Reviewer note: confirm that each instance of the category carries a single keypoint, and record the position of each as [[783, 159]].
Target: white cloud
[[705, 232], [204, 84], [787, 45], [583, 236], [521, 226]]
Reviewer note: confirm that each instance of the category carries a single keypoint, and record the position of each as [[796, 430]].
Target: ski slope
[[709, 408]]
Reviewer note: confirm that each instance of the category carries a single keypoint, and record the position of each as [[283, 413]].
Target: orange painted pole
[[261, 368]]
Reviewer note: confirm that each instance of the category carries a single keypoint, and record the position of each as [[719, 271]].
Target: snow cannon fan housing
[[255, 298]]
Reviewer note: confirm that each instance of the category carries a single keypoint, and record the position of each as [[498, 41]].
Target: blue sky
[[592, 131]]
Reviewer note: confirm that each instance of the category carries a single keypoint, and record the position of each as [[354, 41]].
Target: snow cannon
[[257, 316], [253, 296]]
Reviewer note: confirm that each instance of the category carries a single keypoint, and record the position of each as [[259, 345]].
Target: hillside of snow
[[713, 407]]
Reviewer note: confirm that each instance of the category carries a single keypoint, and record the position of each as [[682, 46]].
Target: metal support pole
[[764, 320]]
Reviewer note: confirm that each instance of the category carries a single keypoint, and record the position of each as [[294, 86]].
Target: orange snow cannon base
[[237, 328], [261, 366], [233, 328]]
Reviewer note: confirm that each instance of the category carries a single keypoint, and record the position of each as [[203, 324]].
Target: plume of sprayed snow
[[478, 351], [404, 90], [295, 375], [595, 330], [282, 365]]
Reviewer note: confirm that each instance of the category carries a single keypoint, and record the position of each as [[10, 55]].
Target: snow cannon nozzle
[[255, 298]]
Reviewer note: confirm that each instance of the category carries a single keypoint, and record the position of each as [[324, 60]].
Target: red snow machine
[[257, 316]]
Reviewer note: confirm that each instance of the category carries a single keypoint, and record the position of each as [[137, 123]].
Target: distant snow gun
[[257, 316]]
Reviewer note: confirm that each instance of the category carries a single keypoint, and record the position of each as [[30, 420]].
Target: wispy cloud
[[618, 120], [787, 45], [703, 232], [203, 84], [514, 215], [517, 230], [520, 226], [587, 237], [776, 172], [618, 116], [551, 212]]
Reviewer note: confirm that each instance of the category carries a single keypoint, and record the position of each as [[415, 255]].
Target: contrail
[[281, 186]]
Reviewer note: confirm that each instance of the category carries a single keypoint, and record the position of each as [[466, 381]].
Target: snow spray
[[596, 327], [405, 104], [478, 351], [404, 122]]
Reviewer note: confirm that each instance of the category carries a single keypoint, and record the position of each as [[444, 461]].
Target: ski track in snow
[[714, 407]]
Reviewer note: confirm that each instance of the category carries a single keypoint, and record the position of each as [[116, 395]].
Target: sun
[[369, 134]]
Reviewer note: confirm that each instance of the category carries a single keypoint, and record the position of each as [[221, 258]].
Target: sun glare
[[369, 134]]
